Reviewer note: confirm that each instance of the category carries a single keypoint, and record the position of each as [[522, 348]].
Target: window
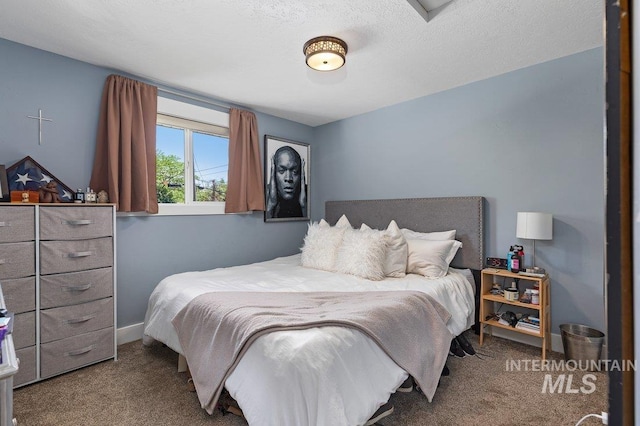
[[192, 156]]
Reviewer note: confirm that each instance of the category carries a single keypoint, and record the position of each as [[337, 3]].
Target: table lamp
[[534, 226]]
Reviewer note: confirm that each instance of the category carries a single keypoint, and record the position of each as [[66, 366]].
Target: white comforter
[[319, 376]]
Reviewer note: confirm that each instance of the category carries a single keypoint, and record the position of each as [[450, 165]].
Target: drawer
[[17, 224], [20, 294], [24, 330], [75, 287], [17, 260], [60, 323], [71, 256], [27, 369], [74, 352], [75, 223]]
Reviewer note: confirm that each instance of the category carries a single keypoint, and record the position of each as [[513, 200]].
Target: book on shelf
[[529, 323], [529, 327]]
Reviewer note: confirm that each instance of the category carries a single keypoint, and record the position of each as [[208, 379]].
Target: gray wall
[[148, 248], [529, 140]]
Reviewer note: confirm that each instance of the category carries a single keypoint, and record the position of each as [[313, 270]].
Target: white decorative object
[[362, 253], [395, 264], [431, 258], [432, 236], [321, 246]]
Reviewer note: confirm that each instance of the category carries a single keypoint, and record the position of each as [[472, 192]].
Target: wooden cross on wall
[[40, 119]]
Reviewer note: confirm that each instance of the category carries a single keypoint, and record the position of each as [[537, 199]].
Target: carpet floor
[[144, 388]]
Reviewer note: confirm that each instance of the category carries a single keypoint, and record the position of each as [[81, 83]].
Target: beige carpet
[[144, 388]]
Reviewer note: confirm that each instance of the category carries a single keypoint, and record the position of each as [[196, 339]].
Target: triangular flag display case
[[28, 175]]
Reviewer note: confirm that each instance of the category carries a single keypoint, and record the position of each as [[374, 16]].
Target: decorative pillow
[[320, 246], [344, 223], [362, 253], [431, 258], [395, 264], [432, 236]]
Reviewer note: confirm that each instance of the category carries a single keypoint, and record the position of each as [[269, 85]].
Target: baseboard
[[556, 339], [130, 333]]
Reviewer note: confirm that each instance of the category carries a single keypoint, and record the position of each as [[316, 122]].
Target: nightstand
[[488, 301]]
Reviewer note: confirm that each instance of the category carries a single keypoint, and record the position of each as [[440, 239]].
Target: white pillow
[[432, 236], [431, 258], [343, 222], [362, 253], [395, 264], [321, 246]]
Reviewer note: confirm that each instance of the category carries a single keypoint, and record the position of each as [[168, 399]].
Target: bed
[[329, 375]]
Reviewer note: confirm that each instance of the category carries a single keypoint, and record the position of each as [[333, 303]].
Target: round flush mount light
[[325, 53]]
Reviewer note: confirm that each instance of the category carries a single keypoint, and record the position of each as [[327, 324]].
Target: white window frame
[[196, 113]]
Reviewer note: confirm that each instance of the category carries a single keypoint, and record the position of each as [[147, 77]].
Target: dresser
[[8, 369], [57, 271]]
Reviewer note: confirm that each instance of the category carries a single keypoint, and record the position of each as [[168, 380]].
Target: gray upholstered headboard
[[464, 214]]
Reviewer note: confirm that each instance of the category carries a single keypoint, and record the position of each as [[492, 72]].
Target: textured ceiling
[[249, 52]]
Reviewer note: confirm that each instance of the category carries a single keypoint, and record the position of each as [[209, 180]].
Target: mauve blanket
[[215, 329]]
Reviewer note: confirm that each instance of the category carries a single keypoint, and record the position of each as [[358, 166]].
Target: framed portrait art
[[286, 169]]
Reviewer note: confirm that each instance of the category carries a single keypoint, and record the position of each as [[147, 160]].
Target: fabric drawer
[[71, 256], [20, 294], [24, 330], [75, 287], [60, 323], [74, 352], [17, 260], [17, 224], [75, 223], [27, 370]]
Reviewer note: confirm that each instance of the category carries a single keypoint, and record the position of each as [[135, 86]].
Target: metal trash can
[[582, 343]]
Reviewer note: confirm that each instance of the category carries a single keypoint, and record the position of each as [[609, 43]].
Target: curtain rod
[[193, 98]]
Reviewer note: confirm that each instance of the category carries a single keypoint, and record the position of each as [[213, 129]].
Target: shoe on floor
[[455, 349], [465, 345], [445, 371], [380, 414], [406, 386]]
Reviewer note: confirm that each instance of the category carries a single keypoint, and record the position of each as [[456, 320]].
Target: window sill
[[182, 210]]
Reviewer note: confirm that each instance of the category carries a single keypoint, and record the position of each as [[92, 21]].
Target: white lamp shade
[[534, 226]]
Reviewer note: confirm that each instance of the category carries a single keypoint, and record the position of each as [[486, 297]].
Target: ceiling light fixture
[[325, 53]]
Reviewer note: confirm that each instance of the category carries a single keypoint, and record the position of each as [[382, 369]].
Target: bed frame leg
[[182, 364]]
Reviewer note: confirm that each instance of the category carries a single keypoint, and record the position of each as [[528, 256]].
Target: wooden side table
[[488, 300]]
